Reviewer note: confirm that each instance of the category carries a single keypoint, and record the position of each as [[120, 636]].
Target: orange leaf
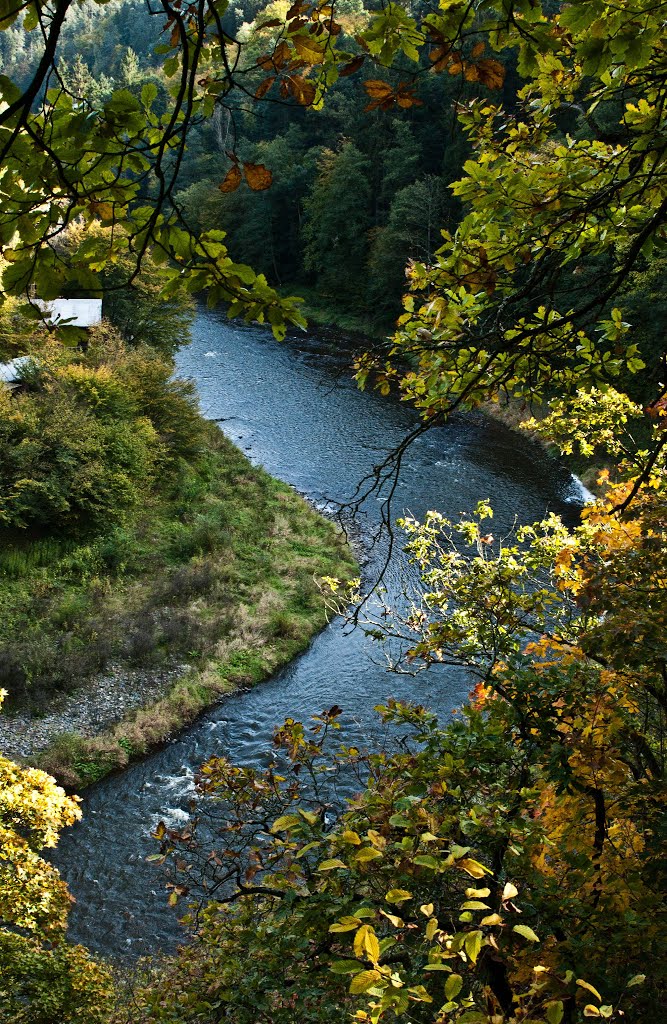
[[258, 176], [378, 90], [478, 49], [302, 90], [491, 73], [231, 181], [281, 54], [352, 66], [264, 87]]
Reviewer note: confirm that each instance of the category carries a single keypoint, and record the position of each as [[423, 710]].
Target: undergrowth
[[217, 572]]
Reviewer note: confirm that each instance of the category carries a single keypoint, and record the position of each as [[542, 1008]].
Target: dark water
[[302, 419]]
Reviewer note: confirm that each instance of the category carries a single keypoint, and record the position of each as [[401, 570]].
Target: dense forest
[[487, 183]]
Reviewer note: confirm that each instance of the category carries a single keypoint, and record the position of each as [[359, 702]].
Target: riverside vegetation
[[508, 866], [134, 533]]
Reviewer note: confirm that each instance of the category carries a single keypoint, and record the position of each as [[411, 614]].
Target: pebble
[[93, 708]]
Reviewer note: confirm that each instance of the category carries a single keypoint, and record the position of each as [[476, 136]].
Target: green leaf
[[344, 966], [554, 1012], [453, 986], [426, 861], [526, 932], [473, 945], [366, 854]]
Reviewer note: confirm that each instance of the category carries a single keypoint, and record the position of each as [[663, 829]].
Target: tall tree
[[338, 219]]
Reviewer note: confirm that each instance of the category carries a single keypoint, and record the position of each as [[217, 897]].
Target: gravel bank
[[93, 708]]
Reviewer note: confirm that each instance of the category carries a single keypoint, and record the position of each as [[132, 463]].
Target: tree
[[338, 218], [416, 218], [44, 978]]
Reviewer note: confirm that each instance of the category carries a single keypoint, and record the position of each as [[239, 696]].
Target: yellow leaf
[[589, 988], [363, 981]]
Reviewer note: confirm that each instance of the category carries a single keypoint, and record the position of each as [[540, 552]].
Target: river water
[[294, 410]]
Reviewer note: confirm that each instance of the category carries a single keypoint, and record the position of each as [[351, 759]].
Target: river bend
[[293, 409]]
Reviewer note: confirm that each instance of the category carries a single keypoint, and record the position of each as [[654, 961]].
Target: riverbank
[[215, 589]]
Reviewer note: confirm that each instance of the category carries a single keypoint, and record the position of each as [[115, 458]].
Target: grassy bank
[[218, 573], [321, 313]]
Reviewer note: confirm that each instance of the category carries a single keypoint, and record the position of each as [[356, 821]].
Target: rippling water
[[297, 414]]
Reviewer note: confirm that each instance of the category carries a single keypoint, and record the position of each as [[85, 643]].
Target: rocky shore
[[91, 710]]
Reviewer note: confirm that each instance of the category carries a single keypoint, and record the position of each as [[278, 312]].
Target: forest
[[477, 193]]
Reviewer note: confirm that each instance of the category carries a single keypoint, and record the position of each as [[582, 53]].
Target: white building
[[73, 312]]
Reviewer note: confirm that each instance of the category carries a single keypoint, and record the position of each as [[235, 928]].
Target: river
[[294, 410]]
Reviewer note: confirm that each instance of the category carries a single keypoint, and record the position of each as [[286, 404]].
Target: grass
[[219, 574]]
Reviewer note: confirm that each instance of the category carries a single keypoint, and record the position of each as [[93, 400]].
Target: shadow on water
[[306, 423]]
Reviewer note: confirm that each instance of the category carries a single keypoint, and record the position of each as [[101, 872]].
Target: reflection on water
[[302, 419]]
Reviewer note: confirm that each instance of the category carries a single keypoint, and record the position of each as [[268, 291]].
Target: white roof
[[9, 372], [76, 312]]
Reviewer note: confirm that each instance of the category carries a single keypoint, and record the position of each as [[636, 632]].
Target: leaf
[[284, 822], [638, 979], [427, 909], [474, 868], [366, 854], [308, 49], [475, 905], [346, 924], [366, 943], [426, 861], [258, 177], [473, 945], [351, 837], [453, 986], [344, 966], [349, 69], [329, 865], [591, 1011], [378, 90], [396, 921], [554, 1012], [490, 73], [478, 49], [363, 981], [510, 891], [398, 896], [589, 988], [264, 87], [148, 93], [232, 180], [302, 90], [526, 932]]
